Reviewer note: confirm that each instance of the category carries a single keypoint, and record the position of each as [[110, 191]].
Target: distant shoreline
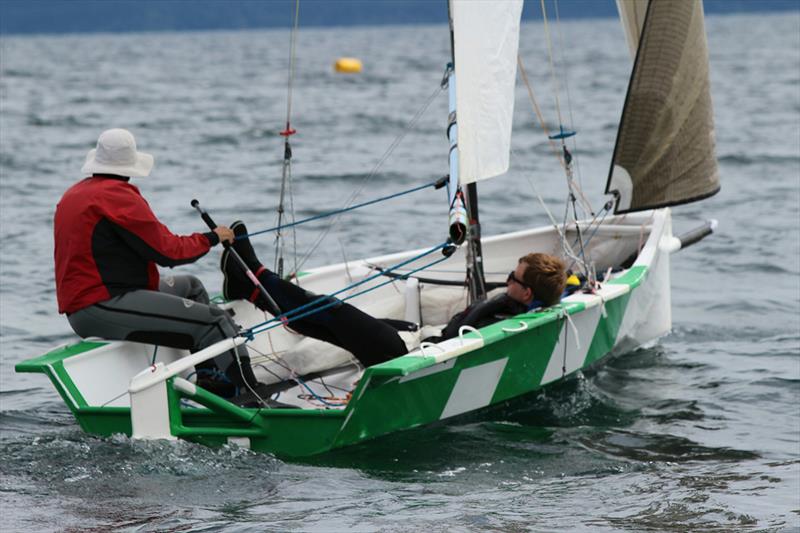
[[53, 17]]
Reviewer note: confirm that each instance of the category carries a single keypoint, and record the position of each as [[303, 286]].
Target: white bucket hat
[[116, 154]]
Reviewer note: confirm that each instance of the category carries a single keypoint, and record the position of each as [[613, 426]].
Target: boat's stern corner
[[42, 363]]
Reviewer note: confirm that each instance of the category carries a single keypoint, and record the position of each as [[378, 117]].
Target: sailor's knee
[[197, 291]]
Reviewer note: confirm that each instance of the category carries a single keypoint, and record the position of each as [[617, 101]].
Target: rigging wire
[[568, 251], [293, 223], [538, 111], [293, 376], [582, 255], [562, 136], [278, 360], [395, 143], [578, 230], [327, 301], [553, 145], [438, 183], [556, 90], [604, 211], [553, 77], [557, 153], [332, 302], [292, 48], [564, 64], [287, 149]]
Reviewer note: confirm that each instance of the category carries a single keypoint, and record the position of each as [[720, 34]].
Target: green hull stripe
[[39, 364], [65, 378], [524, 372], [633, 277], [607, 329]]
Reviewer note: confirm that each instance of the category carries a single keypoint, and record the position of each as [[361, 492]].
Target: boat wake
[[71, 464]]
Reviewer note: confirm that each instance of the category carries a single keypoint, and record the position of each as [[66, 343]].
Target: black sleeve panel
[[213, 238], [148, 252]]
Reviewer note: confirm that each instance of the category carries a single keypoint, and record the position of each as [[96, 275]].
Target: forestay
[[486, 39], [665, 145]]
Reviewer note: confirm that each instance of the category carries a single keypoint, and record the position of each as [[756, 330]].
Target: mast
[[464, 217], [475, 276]]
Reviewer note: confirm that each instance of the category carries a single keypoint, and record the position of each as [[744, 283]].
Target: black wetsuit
[[482, 314], [369, 339]]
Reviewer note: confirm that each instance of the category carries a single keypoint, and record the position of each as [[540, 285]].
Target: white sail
[[485, 39], [631, 13]]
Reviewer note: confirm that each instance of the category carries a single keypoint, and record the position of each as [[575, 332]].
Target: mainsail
[[485, 39], [665, 145]]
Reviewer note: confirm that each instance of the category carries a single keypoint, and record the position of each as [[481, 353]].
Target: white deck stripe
[[586, 321], [435, 369], [474, 388]]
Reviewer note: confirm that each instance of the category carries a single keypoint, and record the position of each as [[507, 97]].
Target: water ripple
[[647, 447], [668, 437], [77, 464]]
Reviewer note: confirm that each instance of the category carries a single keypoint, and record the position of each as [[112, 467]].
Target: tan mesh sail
[[665, 146]]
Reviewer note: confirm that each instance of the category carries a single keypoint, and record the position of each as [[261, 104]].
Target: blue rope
[[344, 210], [316, 396], [215, 373], [285, 318], [271, 325], [292, 314], [327, 297]]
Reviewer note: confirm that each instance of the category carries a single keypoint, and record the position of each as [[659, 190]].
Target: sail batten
[[665, 146], [486, 41]]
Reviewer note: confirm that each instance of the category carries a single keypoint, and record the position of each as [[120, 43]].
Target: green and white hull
[[114, 387]]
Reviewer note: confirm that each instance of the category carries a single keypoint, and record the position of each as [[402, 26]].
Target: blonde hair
[[546, 276]]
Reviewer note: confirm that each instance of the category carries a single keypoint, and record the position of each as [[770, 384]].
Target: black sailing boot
[[244, 248], [236, 286]]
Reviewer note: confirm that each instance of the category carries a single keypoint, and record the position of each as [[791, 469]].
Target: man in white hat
[[107, 245]]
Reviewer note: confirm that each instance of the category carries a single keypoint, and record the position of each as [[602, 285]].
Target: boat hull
[[481, 368]]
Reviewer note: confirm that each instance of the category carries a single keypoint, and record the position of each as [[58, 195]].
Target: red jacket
[[108, 241]]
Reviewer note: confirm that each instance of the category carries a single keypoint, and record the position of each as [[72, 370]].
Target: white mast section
[[458, 213], [486, 42]]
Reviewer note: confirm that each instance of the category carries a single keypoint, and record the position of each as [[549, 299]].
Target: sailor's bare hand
[[225, 234]]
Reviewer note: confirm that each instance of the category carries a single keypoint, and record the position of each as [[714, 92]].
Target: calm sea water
[[700, 431]]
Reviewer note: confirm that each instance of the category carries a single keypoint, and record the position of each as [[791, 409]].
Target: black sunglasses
[[513, 277]]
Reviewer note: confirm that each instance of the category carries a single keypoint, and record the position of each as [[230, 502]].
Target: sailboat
[[664, 156]]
